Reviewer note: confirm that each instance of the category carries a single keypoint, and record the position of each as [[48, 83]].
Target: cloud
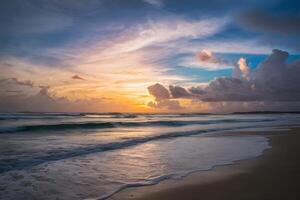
[[77, 77], [237, 45], [279, 28], [178, 92], [29, 18], [9, 86], [168, 29], [165, 104], [44, 91], [38, 99], [206, 59], [227, 89], [274, 80], [44, 100], [242, 70], [270, 23], [156, 3], [206, 56], [19, 82], [159, 91], [162, 98], [70, 7], [146, 41]]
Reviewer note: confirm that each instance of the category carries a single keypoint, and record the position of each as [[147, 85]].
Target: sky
[[149, 55]]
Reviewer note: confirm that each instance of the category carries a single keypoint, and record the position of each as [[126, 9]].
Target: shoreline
[[267, 176]]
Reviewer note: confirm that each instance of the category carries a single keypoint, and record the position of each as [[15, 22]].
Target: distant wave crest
[[103, 125]]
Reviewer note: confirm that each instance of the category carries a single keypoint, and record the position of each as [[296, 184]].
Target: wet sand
[[273, 175]]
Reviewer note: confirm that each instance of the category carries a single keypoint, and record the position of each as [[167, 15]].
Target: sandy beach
[[273, 175]]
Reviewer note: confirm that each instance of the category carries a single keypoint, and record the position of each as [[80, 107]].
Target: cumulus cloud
[[206, 59], [162, 98], [242, 70], [159, 91], [227, 89], [274, 80], [206, 56], [166, 103], [178, 92]]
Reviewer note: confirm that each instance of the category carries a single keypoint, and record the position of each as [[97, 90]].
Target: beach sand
[[273, 175]]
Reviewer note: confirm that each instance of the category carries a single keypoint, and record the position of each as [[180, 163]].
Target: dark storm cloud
[[276, 24], [271, 22], [273, 80], [178, 92]]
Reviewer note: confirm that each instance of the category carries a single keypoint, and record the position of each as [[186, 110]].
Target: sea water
[[92, 155]]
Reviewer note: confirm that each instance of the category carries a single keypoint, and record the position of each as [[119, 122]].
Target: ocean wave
[[19, 164], [30, 116], [105, 125], [24, 116]]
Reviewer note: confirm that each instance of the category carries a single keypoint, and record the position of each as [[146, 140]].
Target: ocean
[[92, 155]]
